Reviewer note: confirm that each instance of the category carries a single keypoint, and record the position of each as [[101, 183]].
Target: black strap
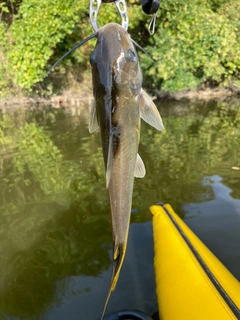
[[150, 6]]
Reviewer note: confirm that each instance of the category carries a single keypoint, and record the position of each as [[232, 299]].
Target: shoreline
[[76, 97], [201, 94]]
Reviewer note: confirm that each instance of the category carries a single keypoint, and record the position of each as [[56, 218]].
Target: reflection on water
[[217, 223], [55, 229]]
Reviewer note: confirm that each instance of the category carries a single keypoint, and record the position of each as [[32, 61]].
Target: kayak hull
[[191, 282]]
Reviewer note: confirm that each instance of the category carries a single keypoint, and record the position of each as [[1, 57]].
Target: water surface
[[55, 228]]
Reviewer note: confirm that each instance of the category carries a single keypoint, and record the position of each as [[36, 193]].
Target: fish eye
[[131, 55]]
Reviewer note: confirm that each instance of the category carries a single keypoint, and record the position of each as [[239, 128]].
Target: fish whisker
[[141, 48], [70, 51]]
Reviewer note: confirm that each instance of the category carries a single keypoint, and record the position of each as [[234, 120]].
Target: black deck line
[[214, 281]]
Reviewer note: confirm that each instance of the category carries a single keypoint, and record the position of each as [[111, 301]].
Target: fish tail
[[118, 257]]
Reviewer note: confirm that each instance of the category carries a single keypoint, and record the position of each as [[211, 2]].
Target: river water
[[55, 228]]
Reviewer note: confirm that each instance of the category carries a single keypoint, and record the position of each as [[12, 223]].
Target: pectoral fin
[[149, 112], [109, 160], [93, 122], [140, 170]]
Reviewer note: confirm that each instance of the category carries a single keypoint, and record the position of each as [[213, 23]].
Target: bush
[[195, 41], [192, 45], [7, 86], [41, 34], [36, 32]]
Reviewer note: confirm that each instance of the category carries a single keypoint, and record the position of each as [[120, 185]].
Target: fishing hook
[[94, 8]]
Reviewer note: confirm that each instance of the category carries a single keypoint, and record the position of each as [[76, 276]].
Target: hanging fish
[[119, 104]]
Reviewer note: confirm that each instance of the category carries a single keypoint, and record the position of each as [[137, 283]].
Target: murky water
[[55, 229]]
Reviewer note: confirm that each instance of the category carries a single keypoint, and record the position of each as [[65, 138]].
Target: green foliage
[[7, 10], [37, 30], [3, 9], [42, 33], [216, 4], [195, 42], [6, 77], [231, 9], [192, 45]]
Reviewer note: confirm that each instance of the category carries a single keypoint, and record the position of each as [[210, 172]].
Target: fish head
[[114, 60]]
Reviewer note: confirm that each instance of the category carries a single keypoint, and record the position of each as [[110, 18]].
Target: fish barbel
[[119, 103]]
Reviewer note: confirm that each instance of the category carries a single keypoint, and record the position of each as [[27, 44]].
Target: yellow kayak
[[192, 284]]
